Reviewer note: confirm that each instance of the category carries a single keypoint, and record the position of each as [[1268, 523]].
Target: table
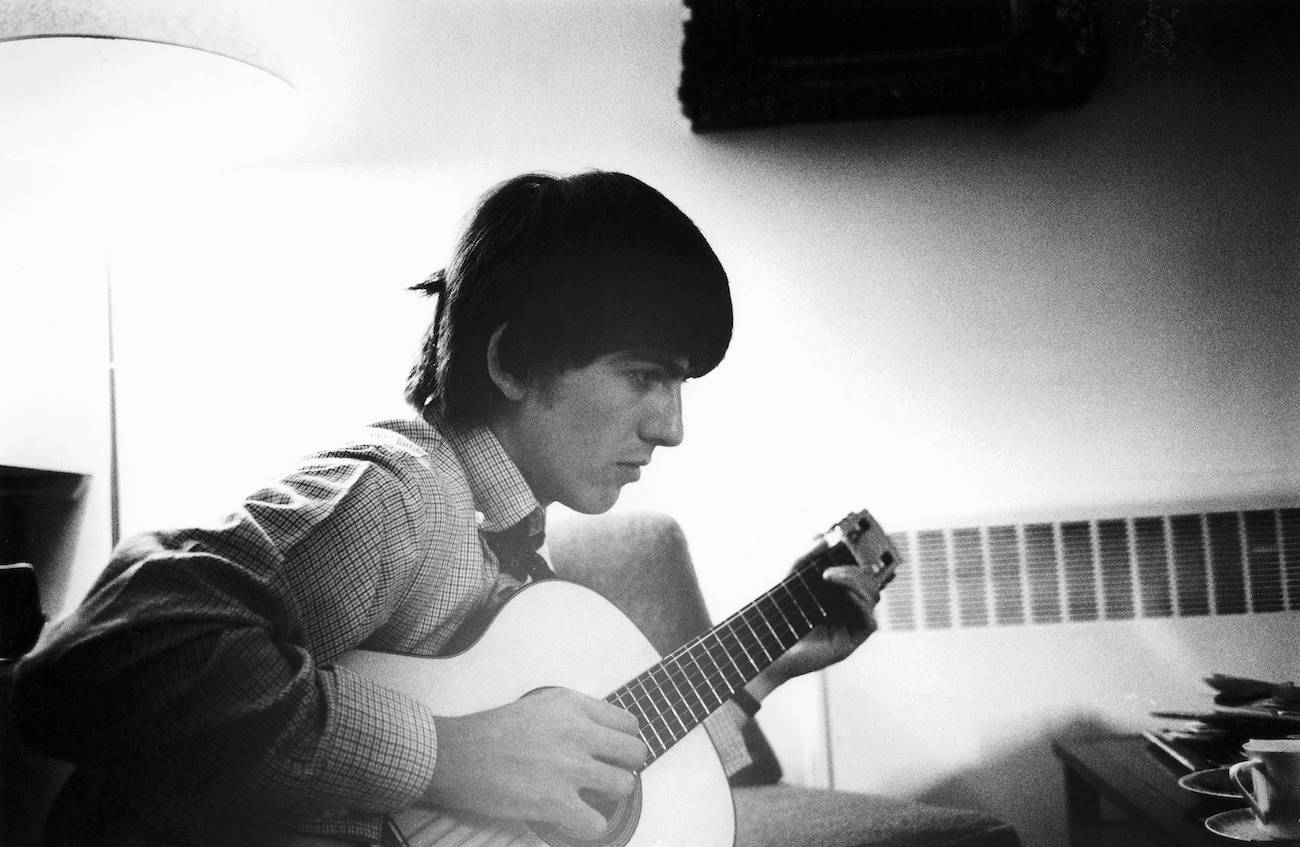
[[1120, 791]]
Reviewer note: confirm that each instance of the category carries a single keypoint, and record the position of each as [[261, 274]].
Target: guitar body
[[559, 634]]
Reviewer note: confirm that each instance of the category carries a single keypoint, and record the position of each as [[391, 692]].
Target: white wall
[[966, 717], [943, 319], [54, 359]]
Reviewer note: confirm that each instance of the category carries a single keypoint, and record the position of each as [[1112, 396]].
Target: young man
[[196, 687]]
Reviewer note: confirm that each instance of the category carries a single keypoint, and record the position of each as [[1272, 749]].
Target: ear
[[510, 385]]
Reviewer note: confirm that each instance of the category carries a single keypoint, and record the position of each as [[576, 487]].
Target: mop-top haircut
[[576, 267]]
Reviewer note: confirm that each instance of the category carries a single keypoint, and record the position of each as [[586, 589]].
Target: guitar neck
[[673, 697]]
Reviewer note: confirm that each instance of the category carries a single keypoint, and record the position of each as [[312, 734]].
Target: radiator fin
[[1183, 565]]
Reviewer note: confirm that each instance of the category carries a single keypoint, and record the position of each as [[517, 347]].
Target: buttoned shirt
[[198, 676]]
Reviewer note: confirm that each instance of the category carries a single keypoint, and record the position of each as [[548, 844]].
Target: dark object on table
[[1245, 709], [1194, 751], [1238, 690]]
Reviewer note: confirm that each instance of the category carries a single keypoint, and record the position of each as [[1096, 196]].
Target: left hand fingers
[[862, 589], [860, 581]]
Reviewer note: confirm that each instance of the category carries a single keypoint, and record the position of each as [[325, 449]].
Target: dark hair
[[578, 266]]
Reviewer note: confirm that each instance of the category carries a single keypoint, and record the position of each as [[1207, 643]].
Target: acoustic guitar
[[558, 633]]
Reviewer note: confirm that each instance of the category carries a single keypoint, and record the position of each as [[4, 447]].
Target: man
[[196, 688]]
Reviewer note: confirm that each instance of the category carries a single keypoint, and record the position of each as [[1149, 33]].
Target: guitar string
[[666, 720], [774, 596], [689, 677], [781, 603], [662, 711], [674, 669], [794, 614]]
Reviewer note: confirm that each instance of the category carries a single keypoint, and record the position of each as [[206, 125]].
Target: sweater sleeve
[[199, 669]]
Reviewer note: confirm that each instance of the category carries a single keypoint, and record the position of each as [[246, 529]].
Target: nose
[[662, 423]]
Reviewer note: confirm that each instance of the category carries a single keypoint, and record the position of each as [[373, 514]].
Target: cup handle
[[1236, 772]]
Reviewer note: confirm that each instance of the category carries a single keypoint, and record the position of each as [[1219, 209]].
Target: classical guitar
[[557, 633]]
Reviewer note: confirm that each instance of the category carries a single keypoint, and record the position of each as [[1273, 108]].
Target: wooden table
[[1120, 791]]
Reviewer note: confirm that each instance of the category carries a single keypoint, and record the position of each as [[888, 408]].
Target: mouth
[[632, 469]]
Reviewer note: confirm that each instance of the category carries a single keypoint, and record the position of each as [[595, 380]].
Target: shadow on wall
[[1010, 782]]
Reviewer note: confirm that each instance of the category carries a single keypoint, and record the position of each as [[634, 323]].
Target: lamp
[[109, 81]]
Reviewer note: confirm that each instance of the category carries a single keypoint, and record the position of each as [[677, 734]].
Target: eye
[[646, 374], [646, 379]]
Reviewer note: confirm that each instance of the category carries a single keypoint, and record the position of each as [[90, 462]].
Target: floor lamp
[[106, 86]]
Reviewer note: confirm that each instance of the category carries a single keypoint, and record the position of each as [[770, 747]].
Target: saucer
[[1241, 825], [1214, 782]]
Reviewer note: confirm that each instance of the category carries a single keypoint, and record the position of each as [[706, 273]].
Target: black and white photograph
[[649, 423]]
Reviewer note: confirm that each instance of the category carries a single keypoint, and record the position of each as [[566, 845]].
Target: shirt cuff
[[384, 745]]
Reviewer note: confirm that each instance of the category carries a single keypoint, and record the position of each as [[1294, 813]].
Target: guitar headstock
[[861, 536]]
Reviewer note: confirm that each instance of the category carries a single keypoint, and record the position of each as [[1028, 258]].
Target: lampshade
[[117, 81]]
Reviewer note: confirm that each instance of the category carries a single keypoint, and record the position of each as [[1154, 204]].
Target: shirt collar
[[500, 491]]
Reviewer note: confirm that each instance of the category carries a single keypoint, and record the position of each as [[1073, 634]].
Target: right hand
[[528, 760]]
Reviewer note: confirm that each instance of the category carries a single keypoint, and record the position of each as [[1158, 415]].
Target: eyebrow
[[676, 367]]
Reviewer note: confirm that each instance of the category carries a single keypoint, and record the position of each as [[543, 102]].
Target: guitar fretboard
[[673, 697]]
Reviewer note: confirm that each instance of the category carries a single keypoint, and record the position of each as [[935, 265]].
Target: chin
[[593, 502]]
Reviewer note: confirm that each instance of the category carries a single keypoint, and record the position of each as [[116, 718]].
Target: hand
[[528, 760], [850, 623]]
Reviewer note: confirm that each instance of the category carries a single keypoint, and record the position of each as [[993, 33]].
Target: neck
[[515, 445], [673, 697]]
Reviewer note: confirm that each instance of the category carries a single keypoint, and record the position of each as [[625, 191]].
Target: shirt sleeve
[[199, 669]]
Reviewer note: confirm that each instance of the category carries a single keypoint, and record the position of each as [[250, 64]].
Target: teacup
[[1274, 768]]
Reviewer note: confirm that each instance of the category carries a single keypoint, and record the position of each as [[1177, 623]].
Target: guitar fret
[[704, 694], [740, 672], [688, 685], [683, 699], [812, 593], [796, 632], [693, 687], [759, 641], [797, 607], [743, 649], [794, 635], [653, 742], [680, 723], [739, 678], [664, 732], [806, 598], [663, 739], [707, 682], [774, 604], [649, 722], [650, 735], [806, 595], [815, 590], [772, 630], [690, 698]]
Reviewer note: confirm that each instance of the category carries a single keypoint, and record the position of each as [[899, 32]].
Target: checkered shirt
[[198, 677]]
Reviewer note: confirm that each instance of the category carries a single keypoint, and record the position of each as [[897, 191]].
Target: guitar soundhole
[[621, 818]]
